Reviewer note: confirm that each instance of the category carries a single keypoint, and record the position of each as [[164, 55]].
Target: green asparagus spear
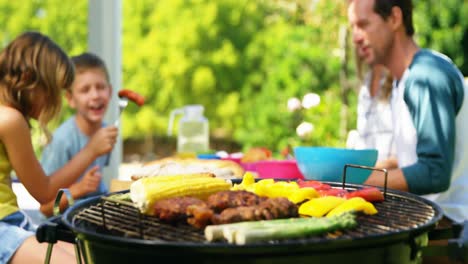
[[315, 226], [216, 232]]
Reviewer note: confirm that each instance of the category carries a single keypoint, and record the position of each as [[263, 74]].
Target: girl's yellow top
[[8, 202]]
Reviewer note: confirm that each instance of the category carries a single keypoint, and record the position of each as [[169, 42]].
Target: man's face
[[90, 95], [371, 33]]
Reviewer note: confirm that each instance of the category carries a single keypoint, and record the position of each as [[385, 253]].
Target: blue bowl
[[327, 163], [208, 156]]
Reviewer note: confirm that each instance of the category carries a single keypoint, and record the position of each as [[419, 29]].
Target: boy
[[85, 131]]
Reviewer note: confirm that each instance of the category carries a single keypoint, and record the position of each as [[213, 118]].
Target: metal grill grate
[[397, 213], [123, 219]]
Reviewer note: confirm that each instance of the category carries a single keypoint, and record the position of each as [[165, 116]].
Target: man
[[427, 106]]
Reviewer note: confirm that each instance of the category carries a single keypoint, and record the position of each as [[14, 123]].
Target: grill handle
[[459, 246], [366, 168], [59, 197], [54, 230], [456, 242]]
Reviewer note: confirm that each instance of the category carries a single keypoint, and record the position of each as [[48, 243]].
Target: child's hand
[[103, 140], [89, 183]]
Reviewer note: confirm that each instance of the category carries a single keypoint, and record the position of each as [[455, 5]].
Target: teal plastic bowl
[[327, 163]]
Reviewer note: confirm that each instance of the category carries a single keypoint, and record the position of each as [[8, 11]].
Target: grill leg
[[77, 251], [49, 253]]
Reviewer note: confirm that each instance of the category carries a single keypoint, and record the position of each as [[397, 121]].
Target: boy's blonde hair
[[87, 61], [33, 64]]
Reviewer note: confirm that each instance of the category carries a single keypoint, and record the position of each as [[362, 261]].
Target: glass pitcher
[[193, 129]]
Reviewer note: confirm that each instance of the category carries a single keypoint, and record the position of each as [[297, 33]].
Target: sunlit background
[[269, 73]]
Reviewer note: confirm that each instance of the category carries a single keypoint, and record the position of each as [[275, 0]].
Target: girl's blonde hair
[[30, 65]]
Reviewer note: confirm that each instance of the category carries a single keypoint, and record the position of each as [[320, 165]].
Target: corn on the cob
[[146, 191], [175, 177]]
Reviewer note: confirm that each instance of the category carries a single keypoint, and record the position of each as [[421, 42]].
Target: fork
[[123, 102]]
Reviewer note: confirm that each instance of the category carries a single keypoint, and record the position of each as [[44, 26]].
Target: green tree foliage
[[284, 61], [189, 52], [64, 21], [241, 59], [442, 26]]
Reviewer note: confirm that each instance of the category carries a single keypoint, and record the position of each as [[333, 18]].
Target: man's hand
[[390, 163], [395, 180]]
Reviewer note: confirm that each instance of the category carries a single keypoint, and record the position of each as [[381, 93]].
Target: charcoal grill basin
[[396, 235]]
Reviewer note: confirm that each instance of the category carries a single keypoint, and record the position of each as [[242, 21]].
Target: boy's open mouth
[[97, 107]]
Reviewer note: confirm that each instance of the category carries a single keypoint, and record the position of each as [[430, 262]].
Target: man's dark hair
[[87, 61], [384, 9]]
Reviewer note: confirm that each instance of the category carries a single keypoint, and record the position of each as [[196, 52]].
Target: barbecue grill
[[107, 230]]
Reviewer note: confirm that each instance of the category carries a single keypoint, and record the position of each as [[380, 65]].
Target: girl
[[374, 117], [33, 73]]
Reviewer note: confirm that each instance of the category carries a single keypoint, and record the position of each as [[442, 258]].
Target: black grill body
[[109, 231]]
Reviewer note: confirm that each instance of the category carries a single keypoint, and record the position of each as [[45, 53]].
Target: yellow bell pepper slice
[[247, 183], [302, 194], [354, 204], [271, 188], [261, 188], [279, 189], [318, 207], [248, 178]]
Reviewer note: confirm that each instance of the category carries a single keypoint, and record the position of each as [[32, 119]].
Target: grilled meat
[[202, 215], [229, 199], [175, 209], [199, 215], [273, 208], [222, 208], [237, 214], [280, 207]]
